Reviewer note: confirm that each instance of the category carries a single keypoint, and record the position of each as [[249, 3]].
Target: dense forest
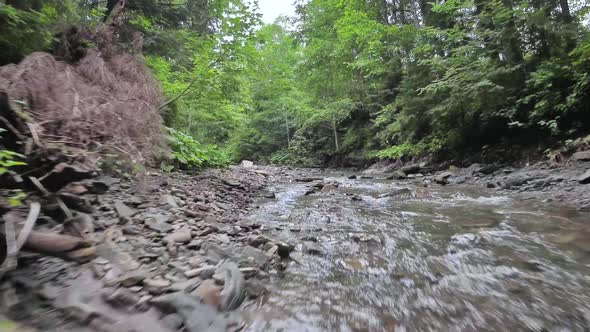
[[342, 80]]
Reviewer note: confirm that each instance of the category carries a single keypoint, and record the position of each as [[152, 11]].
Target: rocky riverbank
[[171, 252], [565, 183]]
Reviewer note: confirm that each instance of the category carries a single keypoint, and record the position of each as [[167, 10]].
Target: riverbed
[[382, 255]]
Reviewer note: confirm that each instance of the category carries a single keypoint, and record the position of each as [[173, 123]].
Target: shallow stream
[[372, 257]]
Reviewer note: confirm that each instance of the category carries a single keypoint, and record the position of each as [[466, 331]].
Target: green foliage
[[10, 159], [187, 153], [409, 150]]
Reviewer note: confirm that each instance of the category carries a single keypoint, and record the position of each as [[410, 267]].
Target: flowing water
[[431, 259]]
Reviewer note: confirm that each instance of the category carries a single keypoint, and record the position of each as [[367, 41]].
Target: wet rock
[[584, 178], [490, 185], [246, 164], [411, 169], [197, 316], [209, 292], [123, 211], [255, 288], [156, 286], [443, 179], [270, 195], [487, 169], [516, 181], [308, 179], [397, 192], [182, 235], [233, 293], [121, 297], [205, 272], [285, 249], [118, 257], [397, 175], [328, 188], [249, 272], [312, 248], [257, 240], [158, 226], [173, 321], [168, 200], [352, 177], [249, 253], [581, 156], [311, 191], [131, 230], [356, 198], [134, 278]]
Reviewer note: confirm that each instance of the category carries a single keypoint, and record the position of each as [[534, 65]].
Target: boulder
[[411, 169], [581, 156], [246, 163], [585, 178]]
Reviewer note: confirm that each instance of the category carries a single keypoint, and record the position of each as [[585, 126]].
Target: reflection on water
[[440, 259]]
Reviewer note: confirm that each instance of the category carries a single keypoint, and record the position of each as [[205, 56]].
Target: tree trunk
[[114, 9], [335, 133], [570, 38]]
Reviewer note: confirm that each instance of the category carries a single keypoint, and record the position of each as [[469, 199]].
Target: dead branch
[[28, 226]]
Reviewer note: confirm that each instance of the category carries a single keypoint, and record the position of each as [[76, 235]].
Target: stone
[[397, 192], [397, 175], [121, 297], [284, 249], [168, 200], [210, 293], [133, 278], [246, 164], [205, 272], [233, 293], [584, 178], [352, 177], [197, 316], [123, 211], [356, 198], [158, 226], [411, 169], [312, 248], [182, 235], [156, 286], [131, 230], [249, 272], [173, 321], [270, 195], [255, 288], [443, 179], [329, 187], [487, 169], [581, 156]]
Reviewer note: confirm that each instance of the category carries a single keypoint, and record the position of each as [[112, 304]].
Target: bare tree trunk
[[114, 9], [335, 133], [570, 40], [288, 134]]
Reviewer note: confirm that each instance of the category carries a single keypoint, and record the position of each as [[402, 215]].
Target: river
[[379, 255]]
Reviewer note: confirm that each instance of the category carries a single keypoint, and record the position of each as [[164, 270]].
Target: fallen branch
[[28, 226], [10, 262], [62, 246]]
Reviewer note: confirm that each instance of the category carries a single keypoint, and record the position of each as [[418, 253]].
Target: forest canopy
[[343, 80]]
